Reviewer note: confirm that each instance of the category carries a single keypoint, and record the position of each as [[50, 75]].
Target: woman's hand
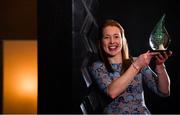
[[144, 59], [160, 59]]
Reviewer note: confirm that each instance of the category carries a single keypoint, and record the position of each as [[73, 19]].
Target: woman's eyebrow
[[116, 34]]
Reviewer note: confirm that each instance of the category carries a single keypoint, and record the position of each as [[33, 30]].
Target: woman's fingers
[[162, 58], [145, 58], [169, 53], [152, 54]]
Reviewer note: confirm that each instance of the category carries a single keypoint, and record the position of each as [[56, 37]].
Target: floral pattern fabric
[[131, 101]]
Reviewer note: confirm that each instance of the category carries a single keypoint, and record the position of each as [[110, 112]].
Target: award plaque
[[159, 38]]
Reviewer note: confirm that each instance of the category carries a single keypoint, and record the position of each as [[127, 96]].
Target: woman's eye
[[106, 37], [116, 36]]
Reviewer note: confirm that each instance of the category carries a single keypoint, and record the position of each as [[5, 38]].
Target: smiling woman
[[121, 77], [20, 76]]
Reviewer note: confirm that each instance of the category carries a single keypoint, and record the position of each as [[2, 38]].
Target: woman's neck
[[115, 59]]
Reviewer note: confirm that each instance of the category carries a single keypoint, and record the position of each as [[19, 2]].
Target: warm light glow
[[20, 76], [27, 85]]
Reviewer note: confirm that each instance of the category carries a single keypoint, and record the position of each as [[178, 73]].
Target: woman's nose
[[111, 40]]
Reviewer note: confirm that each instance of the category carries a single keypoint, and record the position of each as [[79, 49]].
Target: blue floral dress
[[131, 101]]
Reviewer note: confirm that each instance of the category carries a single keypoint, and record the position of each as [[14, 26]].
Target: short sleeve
[[100, 75], [151, 80]]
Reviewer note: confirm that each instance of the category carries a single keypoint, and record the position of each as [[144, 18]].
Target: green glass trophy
[[159, 38]]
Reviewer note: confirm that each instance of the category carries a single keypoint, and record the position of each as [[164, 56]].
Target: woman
[[121, 77]]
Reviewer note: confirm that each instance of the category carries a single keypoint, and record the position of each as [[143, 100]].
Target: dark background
[[54, 56]]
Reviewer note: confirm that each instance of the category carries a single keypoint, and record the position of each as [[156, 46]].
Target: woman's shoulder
[[97, 64]]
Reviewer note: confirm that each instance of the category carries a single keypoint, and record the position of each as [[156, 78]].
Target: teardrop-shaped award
[[159, 38]]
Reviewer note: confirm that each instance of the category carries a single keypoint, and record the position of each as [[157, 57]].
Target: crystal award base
[[162, 52]]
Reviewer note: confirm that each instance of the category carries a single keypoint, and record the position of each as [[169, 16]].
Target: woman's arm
[[121, 83], [158, 82], [163, 79], [118, 85]]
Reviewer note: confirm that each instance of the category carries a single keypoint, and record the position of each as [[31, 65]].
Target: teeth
[[112, 47]]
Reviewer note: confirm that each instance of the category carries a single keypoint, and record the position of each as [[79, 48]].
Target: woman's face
[[111, 41]]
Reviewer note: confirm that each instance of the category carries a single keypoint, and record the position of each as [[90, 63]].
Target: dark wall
[[18, 19], [54, 56]]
